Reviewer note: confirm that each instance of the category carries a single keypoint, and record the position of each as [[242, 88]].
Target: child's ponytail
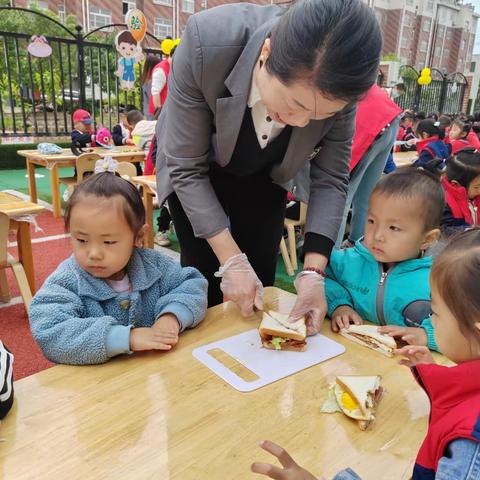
[[431, 127]]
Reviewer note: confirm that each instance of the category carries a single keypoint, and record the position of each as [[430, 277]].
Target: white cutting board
[[268, 365]]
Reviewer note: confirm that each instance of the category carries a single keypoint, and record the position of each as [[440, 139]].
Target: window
[[128, 5], [406, 20], [423, 46], [404, 43], [99, 18], [467, 25], [409, 2], [188, 6], [440, 31], [430, 5], [446, 53], [61, 13], [438, 51], [162, 27], [473, 65], [426, 25], [168, 3], [38, 3], [463, 44], [449, 33]]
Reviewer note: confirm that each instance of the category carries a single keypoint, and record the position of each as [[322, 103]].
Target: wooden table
[[15, 207], [67, 159], [404, 158], [149, 184], [166, 416]]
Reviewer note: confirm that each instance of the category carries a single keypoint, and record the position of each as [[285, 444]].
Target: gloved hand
[[241, 284], [311, 301]]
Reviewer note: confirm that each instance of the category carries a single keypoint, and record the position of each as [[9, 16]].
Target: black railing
[[39, 95], [445, 93]]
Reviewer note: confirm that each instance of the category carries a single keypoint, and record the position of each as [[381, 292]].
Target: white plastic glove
[[241, 284], [311, 301]]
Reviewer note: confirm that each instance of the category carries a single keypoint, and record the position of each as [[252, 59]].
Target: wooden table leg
[[25, 256], [148, 203], [55, 188], [32, 181]]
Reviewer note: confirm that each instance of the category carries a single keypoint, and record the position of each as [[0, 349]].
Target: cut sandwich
[[277, 334], [369, 336], [358, 396]]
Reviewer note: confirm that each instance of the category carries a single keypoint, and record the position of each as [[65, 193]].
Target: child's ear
[[142, 236], [430, 238]]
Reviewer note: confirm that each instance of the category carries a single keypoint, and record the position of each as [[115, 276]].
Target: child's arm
[[337, 295], [290, 470], [64, 333], [414, 355], [422, 335], [82, 138], [186, 295], [460, 460]]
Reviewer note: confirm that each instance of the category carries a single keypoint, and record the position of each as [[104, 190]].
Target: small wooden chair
[[286, 257], [85, 163], [290, 225], [126, 170], [7, 261]]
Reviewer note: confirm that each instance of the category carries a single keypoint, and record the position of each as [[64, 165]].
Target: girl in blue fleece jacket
[[112, 296], [384, 277]]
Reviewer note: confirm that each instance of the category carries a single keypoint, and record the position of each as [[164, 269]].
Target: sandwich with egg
[[358, 396]]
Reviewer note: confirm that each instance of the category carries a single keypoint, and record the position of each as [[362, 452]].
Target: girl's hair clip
[[436, 124], [106, 164]]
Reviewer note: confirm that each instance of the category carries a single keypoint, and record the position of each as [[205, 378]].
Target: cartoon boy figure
[[130, 53]]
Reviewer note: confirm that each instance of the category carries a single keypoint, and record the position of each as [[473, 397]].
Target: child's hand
[[410, 335], [168, 327], [147, 339], [290, 470], [129, 142], [415, 355], [343, 316]]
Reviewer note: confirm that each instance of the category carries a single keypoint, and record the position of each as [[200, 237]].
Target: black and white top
[[6, 380]]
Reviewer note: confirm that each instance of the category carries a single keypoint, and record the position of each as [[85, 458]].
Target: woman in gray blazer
[[258, 94]]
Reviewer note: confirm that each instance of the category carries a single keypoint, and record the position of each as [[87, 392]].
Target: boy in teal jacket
[[384, 278]]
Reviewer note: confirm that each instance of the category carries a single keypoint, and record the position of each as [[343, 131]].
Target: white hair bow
[[106, 164]]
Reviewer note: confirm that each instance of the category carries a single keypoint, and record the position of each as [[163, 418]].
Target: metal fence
[[38, 95], [445, 93]]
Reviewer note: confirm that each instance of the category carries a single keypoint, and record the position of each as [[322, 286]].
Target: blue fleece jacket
[[79, 319], [400, 296]]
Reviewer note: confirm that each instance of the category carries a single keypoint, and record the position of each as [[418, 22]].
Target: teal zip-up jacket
[[400, 296]]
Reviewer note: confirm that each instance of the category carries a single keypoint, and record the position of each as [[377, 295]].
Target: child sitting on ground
[[384, 277], [112, 296], [431, 145], [451, 449], [461, 183]]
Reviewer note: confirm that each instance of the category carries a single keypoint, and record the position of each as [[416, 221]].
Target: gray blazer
[[208, 88]]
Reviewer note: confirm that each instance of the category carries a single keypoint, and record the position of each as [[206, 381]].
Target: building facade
[[433, 33]]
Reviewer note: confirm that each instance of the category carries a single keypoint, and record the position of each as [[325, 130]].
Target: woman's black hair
[[445, 121], [148, 66], [433, 116], [412, 182], [419, 116], [431, 127], [464, 126], [108, 185], [335, 44], [463, 167]]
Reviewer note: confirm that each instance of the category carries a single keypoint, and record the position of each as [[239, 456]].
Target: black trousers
[[256, 210]]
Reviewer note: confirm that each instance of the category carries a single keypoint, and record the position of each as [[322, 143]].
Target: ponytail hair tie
[[106, 164], [436, 124]]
